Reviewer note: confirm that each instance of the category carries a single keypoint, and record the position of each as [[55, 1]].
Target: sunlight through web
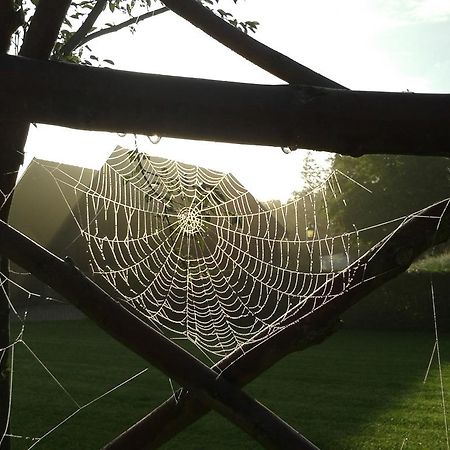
[[196, 254]]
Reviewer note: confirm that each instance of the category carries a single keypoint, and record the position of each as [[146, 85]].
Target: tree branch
[[385, 261], [120, 26], [10, 20], [259, 54], [347, 122], [159, 351], [86, 26], [44, 28]]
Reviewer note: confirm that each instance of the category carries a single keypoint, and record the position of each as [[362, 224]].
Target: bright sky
[[363, 44]]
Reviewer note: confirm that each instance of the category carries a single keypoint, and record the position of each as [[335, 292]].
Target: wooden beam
[[244, 45], [347, 122]]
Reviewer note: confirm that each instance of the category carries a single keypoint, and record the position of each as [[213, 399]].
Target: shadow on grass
[[357, 390]]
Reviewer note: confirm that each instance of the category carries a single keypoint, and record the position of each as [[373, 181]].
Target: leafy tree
[[87, 20], [313, 174], [379, 188]]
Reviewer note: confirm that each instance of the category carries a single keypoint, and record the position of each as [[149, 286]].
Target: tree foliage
[[380, 188], [89, 19]]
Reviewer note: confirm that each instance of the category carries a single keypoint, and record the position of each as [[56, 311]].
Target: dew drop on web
[[154, 138]]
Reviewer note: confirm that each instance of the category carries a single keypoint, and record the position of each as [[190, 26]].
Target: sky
[[384, 45]]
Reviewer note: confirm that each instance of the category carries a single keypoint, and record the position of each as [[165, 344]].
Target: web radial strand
[[197, 255]]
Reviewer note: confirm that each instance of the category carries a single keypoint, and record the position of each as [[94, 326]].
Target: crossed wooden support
[[218, 388]]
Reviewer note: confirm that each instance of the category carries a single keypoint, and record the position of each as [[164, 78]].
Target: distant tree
[[313, 176], [312, 173], [383, 187]]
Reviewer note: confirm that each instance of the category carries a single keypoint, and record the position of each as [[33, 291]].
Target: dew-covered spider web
[[196, 254], [188, 249]]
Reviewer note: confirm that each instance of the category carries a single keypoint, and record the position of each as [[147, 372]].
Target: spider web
[[196, 254]]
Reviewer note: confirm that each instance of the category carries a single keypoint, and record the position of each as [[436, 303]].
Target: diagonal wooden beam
[[386, 260], [159, 351], [244, 45], [348, 122]]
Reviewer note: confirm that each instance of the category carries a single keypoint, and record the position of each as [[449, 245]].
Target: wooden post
[[5, 357], [13, 139], [38, 43]]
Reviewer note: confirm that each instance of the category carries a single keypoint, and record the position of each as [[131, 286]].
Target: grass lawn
[[434, 263], [357, 390]]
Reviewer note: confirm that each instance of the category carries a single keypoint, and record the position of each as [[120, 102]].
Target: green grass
[[437, 263], [357, 390]]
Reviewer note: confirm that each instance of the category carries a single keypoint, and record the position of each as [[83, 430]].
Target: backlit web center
[[190, 220]]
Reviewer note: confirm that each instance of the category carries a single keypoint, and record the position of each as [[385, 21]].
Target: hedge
[[404, 304]]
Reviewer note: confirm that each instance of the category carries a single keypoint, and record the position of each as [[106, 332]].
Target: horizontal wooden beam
[[347, 122]]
